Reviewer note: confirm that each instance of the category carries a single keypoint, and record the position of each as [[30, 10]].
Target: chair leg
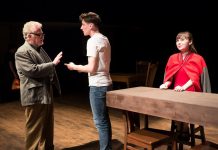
[[172, 145], [173, 126], [192, 134], [174, 135], [203, 139], [124, 146], [135, 124], [146, 122], [181, 130], [180, 146], [126, 126]]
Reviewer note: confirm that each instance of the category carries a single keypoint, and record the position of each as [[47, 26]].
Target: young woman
[[186, 71]]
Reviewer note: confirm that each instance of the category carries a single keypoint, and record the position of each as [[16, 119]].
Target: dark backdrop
[[137, 30]]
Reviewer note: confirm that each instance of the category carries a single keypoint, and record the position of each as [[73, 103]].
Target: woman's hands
[[165, 85]]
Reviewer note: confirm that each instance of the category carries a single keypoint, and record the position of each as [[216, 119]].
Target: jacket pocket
[[35, 93]]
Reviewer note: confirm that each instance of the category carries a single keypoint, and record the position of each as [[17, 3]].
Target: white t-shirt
[[98, 46]]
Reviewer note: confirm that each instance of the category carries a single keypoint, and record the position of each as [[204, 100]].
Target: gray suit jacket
[[37, 74]]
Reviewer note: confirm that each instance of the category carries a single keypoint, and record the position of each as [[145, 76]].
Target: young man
[[99, 57]]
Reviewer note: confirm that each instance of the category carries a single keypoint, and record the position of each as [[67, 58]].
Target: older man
[[37, 74]]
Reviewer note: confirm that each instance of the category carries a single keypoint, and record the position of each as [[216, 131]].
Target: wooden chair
[[195, 133], [151, 73], [137, 138], [142, 70], [148, 69], [134, 136]]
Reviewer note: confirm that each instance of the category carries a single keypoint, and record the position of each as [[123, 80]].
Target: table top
[[191, 107]]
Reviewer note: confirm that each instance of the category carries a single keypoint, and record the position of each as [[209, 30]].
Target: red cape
[[194, 66]]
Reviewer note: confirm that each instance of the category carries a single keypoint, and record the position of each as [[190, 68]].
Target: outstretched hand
[[58, 58], [70, 65]]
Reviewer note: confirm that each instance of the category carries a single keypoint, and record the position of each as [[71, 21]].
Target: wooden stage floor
[[74, 128]]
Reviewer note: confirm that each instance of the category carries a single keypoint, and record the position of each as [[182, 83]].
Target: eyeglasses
[[38, 34]]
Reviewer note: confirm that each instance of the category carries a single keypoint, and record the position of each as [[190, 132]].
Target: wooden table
[[191, 107], [128, 78]]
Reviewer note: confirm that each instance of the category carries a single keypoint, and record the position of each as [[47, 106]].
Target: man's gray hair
[[30, 26]]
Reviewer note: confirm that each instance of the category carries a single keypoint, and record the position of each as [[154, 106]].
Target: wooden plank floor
[[74, 128]]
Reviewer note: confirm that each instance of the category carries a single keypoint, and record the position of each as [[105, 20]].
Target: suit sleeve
[[30, 66]]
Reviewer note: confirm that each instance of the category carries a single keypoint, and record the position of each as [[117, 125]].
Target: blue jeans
[[101, 118]]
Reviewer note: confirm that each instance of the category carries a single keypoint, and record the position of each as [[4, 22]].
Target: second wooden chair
[[136, 138]]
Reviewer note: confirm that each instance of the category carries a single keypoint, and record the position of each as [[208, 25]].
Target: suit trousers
[[39, 127]]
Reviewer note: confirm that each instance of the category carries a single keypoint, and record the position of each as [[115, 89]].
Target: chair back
[[142, 66], [131, 121], [151, 74], [142, 69]]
